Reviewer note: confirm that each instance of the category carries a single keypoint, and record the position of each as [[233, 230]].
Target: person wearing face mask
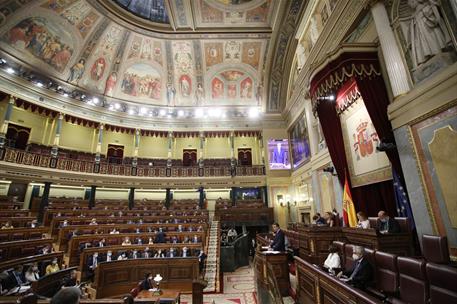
[[93, 261], [148, 282], [109, 256], [159, 254], [122, 257], [171, 253], [146, 254], [32, 274], [184, 252], [386, 224], [53, 267], [333, 260], [361, 273]]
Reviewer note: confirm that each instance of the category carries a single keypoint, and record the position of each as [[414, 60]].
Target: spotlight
[[39, 84], [111, 107], [131, 112], [254, 112], [162, 112], [180, 113], [199, 113], [330, 97], [117, 106], [65, 94], [143, 111], [330, 170], [95, 100], [10, 71]]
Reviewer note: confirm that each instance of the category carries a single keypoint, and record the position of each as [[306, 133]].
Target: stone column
[[131, 198], [396, 69], [6, 120], [93, 190], [202, 147], [170, 146], [99, 144], [232, 154], [136, 147], [55, 145], [44, 201]]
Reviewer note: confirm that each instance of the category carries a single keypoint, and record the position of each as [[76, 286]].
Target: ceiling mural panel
[[77, 42], [153, 10]]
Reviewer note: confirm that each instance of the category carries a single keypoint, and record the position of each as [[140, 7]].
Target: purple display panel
[[278, 154]]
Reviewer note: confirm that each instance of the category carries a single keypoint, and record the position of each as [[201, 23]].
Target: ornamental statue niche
[[426, 36]]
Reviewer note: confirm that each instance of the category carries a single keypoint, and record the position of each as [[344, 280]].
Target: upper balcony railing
[[83, 166]]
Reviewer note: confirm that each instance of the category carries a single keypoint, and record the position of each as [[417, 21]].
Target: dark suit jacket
[[146, 284], [160, 238], [90, 262], [279, 243], [392, 225], [364, 275]]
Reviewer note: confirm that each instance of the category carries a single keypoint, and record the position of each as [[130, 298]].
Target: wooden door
[[17, 136], [115, 154], [245, 157], [189, 157]]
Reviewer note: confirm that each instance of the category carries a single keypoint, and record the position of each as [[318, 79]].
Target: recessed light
[[10, 71]]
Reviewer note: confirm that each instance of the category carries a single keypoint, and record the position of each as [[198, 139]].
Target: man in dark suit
[[148, 282], [278, 243], [386, 224], [361, 273], [160, 237]]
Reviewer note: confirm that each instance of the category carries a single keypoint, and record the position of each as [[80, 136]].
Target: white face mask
[[109, 253]]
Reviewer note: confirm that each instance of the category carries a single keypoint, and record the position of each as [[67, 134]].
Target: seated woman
[[363, 223], [126, 241], [333, 260], [329, 219]]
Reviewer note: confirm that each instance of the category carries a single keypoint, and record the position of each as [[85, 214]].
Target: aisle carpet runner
[[212, 262]]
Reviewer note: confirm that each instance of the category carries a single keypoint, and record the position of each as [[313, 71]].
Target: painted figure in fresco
[[365, 140], [98, 68], [258, 93], [110, 84], [39, 39], [428, 33], [76, 72], [217, 88], [246, 89], [231, 91], [185, 85], [171, 93], [199, 94]]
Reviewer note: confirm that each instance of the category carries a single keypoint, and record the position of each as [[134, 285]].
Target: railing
[[83, 166]]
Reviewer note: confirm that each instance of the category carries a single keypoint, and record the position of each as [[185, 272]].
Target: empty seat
[[443, 283], [413, 281], [386, 272], [435, 249]]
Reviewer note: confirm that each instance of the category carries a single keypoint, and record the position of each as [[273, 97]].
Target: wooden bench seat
[[23, 248], [65, 232], [17, 234]]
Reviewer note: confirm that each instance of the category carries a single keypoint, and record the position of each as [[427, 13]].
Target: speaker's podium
[[277, 262]]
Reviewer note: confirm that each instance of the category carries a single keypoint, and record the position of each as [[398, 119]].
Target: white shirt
[[364, 224], [31, 276], [332, 261]]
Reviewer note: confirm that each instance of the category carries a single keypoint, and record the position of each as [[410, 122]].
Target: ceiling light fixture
[[131, 112], [199, 113], [39, 84], [117, 106], [95, 100], [10, 71], [162, 112], [180, 113]]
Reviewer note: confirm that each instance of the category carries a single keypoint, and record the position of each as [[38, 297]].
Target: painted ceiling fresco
[[76, 41]]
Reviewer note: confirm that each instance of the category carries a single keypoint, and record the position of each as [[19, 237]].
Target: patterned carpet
[[238, 289]]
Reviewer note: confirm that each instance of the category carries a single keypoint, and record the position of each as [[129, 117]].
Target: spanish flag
[[349, 215]]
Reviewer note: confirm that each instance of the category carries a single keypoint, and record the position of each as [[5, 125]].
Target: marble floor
[[238, 288]]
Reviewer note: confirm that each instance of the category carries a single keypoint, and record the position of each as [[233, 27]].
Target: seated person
[[363, 222], [93, 261], [139, 241], [122, 257], [150, 241], [45, 250], [148, 282], [186, 239], [171, 253], [318, 220], [64, 224], [185, 252], [160, 237], [362, 273], [101, 243], [232, 234], [180, 228], [17, 277], [279, 242], [93, 222], [195, 239], [70, 281], [134, 255], [114, 231], [201, 259], [146, 254], [34, 224], [329, 219], [53, 267], [224, 239], [174, 240], [109, 256], [386, 224], [333, 260], [7, 225], [126, 241], [159, 254], [32, 274]]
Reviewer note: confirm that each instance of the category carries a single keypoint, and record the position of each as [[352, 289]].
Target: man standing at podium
[[278, 243]]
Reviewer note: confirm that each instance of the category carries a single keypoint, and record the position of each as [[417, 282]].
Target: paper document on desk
[[272, 252], [265, 247]]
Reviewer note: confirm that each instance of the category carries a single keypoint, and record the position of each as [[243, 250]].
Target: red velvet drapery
[[364, 69]]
